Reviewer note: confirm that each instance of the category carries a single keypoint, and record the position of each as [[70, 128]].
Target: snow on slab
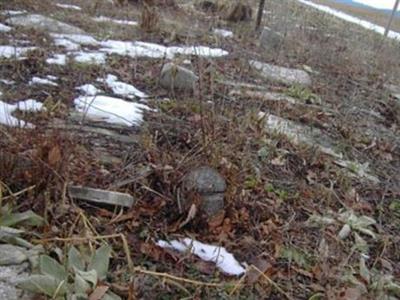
[[13, 12], [111, 110], [89, 90], [81, 39], [116, 21], [4, 28], [44, 81], [151, 50], [11, 51], [224, 260], [57, 59], [97, 58], [121, 88], [351, 19], [68, 6], [6, 111], [223, 32]]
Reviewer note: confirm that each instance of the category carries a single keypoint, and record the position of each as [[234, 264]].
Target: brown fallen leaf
[[99, 292], [54, 156], [253, 274], [349, 294]]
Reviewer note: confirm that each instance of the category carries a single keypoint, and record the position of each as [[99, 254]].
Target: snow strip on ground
[[13, 12], [6, 110], [224, 33], [121, 88], [351, 19], [143, 49], [11, 51], [57, 59], [116, 21], [68, 6], [98, 58], [89, 90], [224, 260], [4, 28], [45, 81], [110, 109]]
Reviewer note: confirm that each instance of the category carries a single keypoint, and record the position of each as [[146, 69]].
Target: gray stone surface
[[8, 280], [100, 196], [270, 40], [281, 74], [174, 77], [44, 23], [210, 185], [204, 180]]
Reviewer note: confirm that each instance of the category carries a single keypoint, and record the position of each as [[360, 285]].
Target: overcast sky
[[386, 4]]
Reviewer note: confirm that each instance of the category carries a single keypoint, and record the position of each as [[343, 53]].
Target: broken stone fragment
[[210, 185], [270, 40], [174, 77], [44, 23], [281, 74], [101, 196]]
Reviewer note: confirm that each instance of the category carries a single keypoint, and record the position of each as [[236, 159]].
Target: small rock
[[210, 185], [205, 180], [283, 75], [12, 255], [212, 204], [9, 275], [270, 40], [176, 77], [44, 23], [101, 196]]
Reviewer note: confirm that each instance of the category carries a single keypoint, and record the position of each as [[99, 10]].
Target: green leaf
[[44, 284], [51, 267], [360, 243], [318, 296], [75, 260], [27, 217], [100, 261], [298, 256], [81, 286], [89, 276], [364, 272], [111, 296]]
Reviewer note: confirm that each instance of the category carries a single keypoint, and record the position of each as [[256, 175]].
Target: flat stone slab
[[101, 196], [44, 23], [9, 275], [281, 74], [313, 137]]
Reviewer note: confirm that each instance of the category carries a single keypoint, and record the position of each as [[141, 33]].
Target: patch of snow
[[151, 50], [224, 260], [380, 4], [51, 77], [111, 110], [6, 110], [38, 80], [116, 21], [4, 28], [67, 44], [223, 32], [57, 59], [351, 19], [89, 90], [13, 12], [68, 6], [11, 51], [121, 88], [8, 82], [81, 39], [98, 58]]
